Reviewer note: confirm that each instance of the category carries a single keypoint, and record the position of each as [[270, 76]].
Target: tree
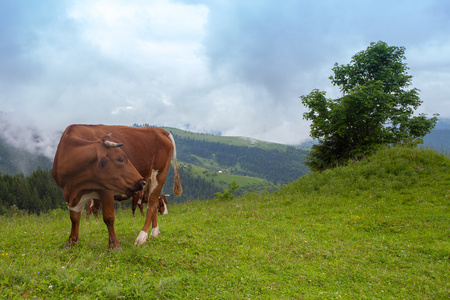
[[376, 108], [228, 194]]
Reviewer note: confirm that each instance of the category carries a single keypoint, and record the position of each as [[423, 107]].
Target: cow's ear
[[102, 162]]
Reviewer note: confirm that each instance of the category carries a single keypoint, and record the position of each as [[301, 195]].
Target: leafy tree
[[228, 194], [376, 108]]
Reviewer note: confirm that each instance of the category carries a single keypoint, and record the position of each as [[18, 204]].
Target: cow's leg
[[107, 198], [155, 228], [141, 208], [155, 186], [96, 207], [134, 203], [142, 200], [74, 233], [152, 209], [89, 208]]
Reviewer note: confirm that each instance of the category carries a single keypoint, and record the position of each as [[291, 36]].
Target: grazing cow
[[87, 164], [150, 150], [93, 207], [163, 205], [137, 200], [140, 201]]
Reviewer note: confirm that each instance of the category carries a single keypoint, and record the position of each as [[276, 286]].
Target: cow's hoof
[[155, 232], [69, 245], [142, 238]]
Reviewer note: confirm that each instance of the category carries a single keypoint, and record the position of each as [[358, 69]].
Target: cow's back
[[147, 148], [150, 148]]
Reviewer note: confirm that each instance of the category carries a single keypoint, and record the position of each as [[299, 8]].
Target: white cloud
[[142, 31]]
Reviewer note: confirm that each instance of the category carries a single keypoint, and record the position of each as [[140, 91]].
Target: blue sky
[[234, 67]]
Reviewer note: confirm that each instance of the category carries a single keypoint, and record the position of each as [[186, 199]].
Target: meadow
[[375, 229]]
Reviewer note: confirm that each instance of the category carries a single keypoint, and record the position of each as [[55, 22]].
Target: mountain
[[256, 166], [439, 138], [241, 156], [15, 161]]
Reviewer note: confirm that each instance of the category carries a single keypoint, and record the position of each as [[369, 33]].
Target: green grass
[[377, 229], [223, 180]]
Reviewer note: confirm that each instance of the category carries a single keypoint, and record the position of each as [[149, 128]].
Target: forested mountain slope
[[273, 165], [15, 161]]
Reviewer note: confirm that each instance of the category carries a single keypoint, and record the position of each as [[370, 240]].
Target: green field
[[223, 180], [377, 229]]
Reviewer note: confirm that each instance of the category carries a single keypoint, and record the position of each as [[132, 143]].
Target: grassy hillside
[[223, 180], [377, 229]]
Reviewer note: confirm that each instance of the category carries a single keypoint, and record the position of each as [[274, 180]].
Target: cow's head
[[85, 164], [114, 170], [162, 205]]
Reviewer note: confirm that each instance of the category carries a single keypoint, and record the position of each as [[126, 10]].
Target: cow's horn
[[110, 144]]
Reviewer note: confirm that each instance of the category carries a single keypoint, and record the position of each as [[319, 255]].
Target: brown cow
[[137, 200], [93, 207], [140, 201], [87, 164], [150, 150]]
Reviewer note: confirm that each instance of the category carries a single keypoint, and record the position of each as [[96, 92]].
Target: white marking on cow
[[85, 198], [166, 212], [140, 201], [152, 182], [155, 232], [142, 238]]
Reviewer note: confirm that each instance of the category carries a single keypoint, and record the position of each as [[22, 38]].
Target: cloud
[[28, 137], [234, 67]]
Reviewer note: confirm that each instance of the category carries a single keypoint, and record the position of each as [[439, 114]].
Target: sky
[[229, 67]]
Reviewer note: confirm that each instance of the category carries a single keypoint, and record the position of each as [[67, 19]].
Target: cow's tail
[[177, 189]]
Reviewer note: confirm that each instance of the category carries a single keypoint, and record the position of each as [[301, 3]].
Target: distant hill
[[241, 156], [215, 160], [439, 138]]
